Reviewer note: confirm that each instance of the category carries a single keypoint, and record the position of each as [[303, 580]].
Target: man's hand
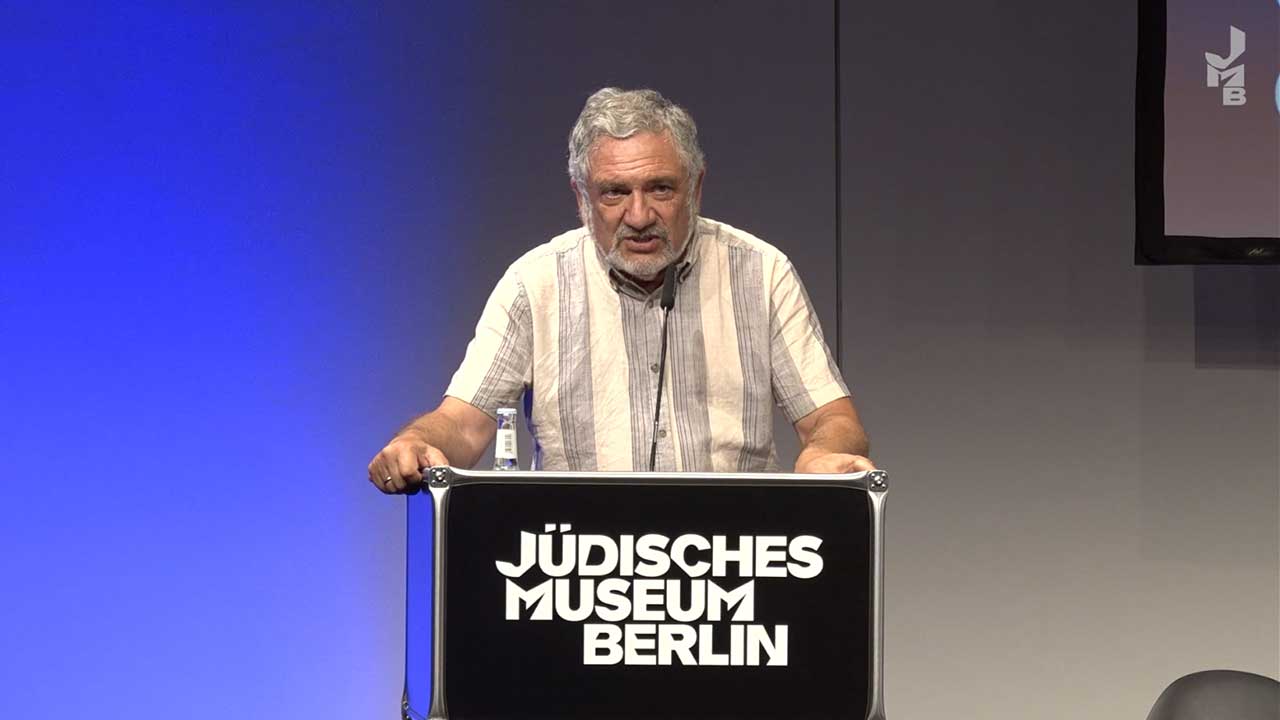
[[832, 440], [455, 430], [833, 463], [398, 467]]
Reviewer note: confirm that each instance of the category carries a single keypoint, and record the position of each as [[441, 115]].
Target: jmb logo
[[1221, 73]]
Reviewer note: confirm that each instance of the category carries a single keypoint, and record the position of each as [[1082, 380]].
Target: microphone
[[668, 302], [668, 290]]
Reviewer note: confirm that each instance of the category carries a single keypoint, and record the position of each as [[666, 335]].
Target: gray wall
[[1085, 460], [1084, 453]]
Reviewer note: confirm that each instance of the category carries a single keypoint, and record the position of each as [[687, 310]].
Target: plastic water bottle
[[505, 453]]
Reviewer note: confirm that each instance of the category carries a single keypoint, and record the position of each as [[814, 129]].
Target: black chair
[[1219, 695]]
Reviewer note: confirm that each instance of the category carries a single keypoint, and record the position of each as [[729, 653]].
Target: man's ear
[[697, 187]]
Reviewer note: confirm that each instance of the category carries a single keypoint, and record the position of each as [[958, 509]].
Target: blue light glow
[[200, 351]]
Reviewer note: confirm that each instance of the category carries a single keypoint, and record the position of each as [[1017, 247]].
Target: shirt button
[[662, 433], [654, 367], [649, 304]]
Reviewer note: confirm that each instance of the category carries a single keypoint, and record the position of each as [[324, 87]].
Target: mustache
[[627, 233]]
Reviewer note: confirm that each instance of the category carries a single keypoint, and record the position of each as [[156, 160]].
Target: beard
[[647, 266]]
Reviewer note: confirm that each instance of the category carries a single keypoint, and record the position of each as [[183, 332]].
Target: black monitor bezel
[[1153, 246]]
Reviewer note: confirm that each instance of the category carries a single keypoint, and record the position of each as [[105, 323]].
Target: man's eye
[[612, 193], [663, 189]]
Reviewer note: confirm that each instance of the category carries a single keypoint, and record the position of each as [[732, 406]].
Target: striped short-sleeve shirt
[[581, 344]]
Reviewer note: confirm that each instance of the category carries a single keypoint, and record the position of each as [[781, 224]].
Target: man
[[575, 326]]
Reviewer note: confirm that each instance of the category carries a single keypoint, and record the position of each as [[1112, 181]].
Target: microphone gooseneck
[[668, 302]]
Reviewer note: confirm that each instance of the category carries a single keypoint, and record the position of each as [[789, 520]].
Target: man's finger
[[432, 457], [850, 464], [837, 464], [859, 463], [388, 473], [407, 467], [378, 473]]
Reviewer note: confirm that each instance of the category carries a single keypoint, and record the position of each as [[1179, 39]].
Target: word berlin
[[623, 578]]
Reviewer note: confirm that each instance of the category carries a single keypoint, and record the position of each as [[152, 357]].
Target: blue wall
[[214, 230]]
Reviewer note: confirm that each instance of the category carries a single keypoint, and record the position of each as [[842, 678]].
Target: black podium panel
[[783, 629]]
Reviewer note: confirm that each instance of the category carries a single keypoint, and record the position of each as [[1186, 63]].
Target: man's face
[[639, 204]]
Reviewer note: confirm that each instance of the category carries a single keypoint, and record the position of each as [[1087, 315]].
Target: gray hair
[[623, 113]]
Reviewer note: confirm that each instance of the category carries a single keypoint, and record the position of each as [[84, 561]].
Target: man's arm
[[456, 430], [832, 440]]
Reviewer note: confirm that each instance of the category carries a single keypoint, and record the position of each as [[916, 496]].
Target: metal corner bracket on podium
[[645, 595]]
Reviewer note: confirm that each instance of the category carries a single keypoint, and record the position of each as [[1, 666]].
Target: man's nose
[[639, 213]]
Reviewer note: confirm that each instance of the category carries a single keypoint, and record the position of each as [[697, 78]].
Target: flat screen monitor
[[1208, 132]]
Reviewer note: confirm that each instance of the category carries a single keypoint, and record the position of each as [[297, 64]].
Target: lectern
[[538, 595]]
